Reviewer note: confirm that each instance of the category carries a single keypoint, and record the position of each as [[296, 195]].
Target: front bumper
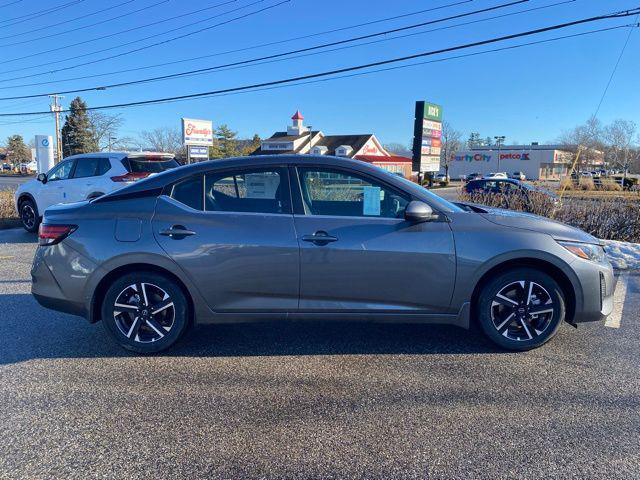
[[597, 283]]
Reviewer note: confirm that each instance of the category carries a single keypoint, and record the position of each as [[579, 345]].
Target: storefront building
[[537, 162], [298, 139]]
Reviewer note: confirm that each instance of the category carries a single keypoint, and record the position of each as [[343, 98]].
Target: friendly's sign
[[427, 134], [197, 132]]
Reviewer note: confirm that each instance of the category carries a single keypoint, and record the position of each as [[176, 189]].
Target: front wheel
[[145, 312], [29, 215], [521, 309]]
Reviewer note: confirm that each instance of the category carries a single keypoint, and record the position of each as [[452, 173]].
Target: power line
[[261, 60], [10, 3], [411, 65], [621, 14], [8, 22], [615, 68], [70, 20], [255, 12], [95, 39], [350, 27], [362, 37]]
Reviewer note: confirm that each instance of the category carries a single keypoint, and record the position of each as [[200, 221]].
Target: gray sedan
[[305, 237]]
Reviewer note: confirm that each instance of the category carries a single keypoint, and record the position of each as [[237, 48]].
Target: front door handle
[[177, 232], [320, 238]]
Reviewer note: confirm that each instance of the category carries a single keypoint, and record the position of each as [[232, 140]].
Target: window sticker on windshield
[[371, 204]]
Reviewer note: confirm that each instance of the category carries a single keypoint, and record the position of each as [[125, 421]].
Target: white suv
[[84, 177]]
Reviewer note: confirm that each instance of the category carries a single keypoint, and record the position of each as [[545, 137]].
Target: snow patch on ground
[[623, 255]]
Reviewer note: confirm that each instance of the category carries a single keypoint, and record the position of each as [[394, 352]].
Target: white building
[[537, 162]]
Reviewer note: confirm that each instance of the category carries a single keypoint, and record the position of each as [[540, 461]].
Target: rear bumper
[[597, 284], [63, 291]]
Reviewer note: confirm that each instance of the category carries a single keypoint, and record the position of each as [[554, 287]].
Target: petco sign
[[514, 156], [197, 132]]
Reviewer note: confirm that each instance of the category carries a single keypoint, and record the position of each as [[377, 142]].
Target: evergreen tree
[[227, 142], [77, 134], [252, 146], [17, 150]]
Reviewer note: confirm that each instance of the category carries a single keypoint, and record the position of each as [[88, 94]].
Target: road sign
[[427, 134]]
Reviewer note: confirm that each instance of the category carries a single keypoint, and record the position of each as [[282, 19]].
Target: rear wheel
[[29, 215], [145, 312], [521, 309]]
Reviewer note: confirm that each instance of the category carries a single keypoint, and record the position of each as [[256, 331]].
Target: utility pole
[[499, 141], [56, 109]]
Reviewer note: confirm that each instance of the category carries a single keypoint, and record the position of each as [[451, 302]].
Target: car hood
[[536, 223]]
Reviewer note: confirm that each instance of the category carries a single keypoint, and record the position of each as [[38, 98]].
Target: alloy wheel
[[28, 215], [144, 312], [522, 310]]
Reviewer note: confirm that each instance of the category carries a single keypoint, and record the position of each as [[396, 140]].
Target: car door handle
[[177, 232], [319, 238]]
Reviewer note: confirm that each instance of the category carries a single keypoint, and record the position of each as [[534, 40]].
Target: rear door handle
[[320, 238], [177, 232]]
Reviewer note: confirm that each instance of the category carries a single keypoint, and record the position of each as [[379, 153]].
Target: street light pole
[[499, 141]]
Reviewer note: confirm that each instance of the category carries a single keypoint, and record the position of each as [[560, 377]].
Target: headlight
[[586, 251]]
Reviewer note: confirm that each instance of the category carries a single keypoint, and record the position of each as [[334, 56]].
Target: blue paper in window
[[371, 204]]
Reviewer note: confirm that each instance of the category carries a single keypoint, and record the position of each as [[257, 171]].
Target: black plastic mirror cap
[[42, 177], [418, 211]]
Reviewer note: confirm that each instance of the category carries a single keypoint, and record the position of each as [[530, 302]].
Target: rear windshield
[[149, 164]]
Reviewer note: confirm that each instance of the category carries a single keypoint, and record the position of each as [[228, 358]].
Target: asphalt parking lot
[[311, 400]]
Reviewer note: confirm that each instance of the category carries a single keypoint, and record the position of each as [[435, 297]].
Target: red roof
[[383, 159], [297, 116]]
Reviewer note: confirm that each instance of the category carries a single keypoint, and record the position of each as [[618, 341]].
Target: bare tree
[[398, 149], [451, 144], [619, 137], [163, 139], [589, 137], [104, 129]]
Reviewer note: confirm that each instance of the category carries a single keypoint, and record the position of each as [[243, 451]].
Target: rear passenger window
[[189, 192], [263, 190], [85, 167]]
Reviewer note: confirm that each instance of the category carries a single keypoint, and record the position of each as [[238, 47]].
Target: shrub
[[7, 209], [610, 185], [608, 218], [566, 183], [586, 183]]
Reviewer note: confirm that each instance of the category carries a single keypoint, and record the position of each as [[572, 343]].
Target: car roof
[[167, 177], [120, 155]]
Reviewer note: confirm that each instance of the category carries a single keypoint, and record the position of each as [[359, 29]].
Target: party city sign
[[484, 157]]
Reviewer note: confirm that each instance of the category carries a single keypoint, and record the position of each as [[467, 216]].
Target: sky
[[527, 94]]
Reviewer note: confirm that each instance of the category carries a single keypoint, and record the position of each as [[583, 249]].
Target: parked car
[[6, 166], [496, 175], [473, 176], [85, 176], [518, 176], [442, 179], [304, 237], [500, 186]]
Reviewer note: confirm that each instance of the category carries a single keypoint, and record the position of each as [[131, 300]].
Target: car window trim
[[168, 190], [303, 208]]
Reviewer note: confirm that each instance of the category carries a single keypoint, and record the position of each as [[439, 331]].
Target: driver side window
[[337, 193], [60, 171]]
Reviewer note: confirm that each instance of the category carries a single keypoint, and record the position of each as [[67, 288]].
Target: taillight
[[130, 177], [52, 234]]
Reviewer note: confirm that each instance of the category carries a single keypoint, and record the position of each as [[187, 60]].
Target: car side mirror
[[417, 212], [42, 177]]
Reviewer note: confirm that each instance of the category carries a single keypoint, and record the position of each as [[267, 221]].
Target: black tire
[[29, 215], [529, 316], [137, 327]]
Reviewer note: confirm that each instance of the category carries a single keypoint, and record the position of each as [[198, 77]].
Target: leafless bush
[[7, 209], [586, 183], [605, 218], [610, 185]]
